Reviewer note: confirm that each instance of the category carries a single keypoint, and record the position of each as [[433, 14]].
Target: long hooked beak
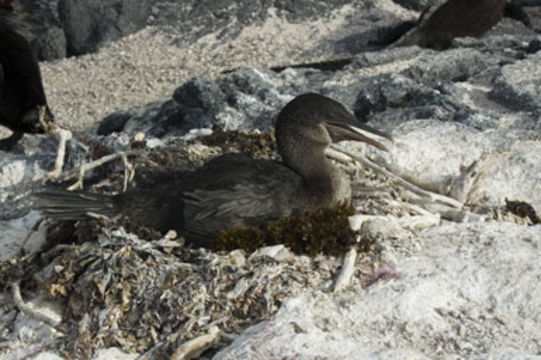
[[344, 126]]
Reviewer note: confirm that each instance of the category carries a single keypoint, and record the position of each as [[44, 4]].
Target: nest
[[126, 286]]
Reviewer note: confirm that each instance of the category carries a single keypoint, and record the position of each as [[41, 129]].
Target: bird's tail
[[62, 204]]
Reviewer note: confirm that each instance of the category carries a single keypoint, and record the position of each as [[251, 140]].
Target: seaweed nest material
[[324, 231], [152, 296], [259, 145]]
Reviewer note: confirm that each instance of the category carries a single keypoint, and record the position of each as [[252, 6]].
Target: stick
[[58, 248], [397, 179], [34, 314], [129, 171], [80, 173], [192, 349], [63, 137], [346, 272], [66, 135]]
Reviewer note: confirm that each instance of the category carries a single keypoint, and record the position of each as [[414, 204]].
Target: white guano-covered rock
[[472, 291]]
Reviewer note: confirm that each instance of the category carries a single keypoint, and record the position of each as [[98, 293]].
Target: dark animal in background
[[234, 190], [448, 19], [21, 88]]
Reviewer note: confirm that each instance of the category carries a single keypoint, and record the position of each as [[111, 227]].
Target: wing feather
[[208, 211]]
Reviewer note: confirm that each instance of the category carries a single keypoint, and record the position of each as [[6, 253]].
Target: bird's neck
[[325, 184]]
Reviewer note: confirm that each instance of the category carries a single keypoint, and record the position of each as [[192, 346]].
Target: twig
[[410, 207], [34, 314], [80, 173], [397, 179], [346, 272], [97, 216], [63, 137], [129, 171], [193, 348], [424, 220], [58, 248]]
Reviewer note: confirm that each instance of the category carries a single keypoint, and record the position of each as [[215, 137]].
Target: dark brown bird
[[21, 88], [446, 20], [233, 189]]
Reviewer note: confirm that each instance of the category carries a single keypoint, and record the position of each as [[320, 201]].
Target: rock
[[14, 236], [45, 28], [517, 87], [69, 27], [113, 353], [454, 65], [245, 99], [47, 355], [30, 330], [24, 169], [469, 275], [534, 14], [89, 23], [50, 44], [512, 175], [61, 28], [72, 27]]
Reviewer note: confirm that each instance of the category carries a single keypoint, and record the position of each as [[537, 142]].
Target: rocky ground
[[436, 281]]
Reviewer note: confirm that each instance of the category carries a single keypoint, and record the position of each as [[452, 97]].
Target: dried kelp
[[128, 292], [260, 145], [522, 209]]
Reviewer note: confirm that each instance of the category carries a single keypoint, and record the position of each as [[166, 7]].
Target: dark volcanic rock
[[50, 44], [60, 28], [534, 15], [517, 86], [424, 84], [45, 29], [88, 23], [244, 99], [454, 65]]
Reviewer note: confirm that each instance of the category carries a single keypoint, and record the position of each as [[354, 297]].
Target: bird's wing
[[208, 211]]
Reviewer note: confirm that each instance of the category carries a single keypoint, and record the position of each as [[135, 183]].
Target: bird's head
[[311, 122]]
